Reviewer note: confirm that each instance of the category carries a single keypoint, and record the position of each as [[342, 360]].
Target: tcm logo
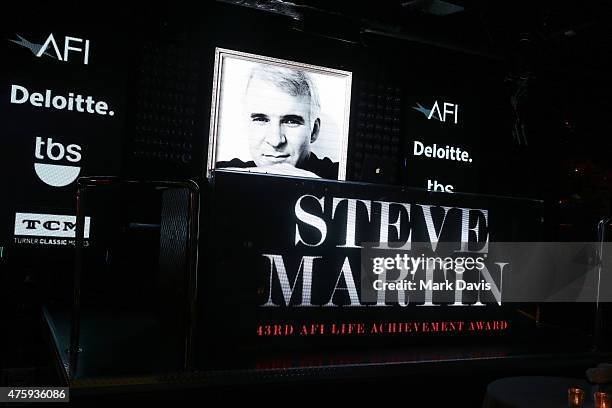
[[449, 111], [48, 225], [56, 175], [50, 48]]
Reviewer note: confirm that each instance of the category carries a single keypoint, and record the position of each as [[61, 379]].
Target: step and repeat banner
[[62, 114], [455, 129]]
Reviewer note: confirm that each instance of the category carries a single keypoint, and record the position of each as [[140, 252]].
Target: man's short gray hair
[[295, 82]]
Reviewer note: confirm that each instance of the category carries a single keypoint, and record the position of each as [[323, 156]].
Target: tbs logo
[[56, 175]]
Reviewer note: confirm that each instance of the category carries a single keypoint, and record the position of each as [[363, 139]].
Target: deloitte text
[[439, 152], [46, 99]]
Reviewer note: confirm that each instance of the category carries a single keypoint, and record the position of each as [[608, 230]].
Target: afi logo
[[56, 175], [448, 109], [51, 49]]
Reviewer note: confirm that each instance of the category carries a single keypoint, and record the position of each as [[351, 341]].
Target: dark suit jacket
[[324, 168]]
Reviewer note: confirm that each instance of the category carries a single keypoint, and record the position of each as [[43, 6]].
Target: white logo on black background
[[78, 103], [48, 225], [56, 175], [50, 47], [441, 114]]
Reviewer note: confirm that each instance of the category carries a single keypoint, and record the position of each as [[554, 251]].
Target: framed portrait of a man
[[279, 117]]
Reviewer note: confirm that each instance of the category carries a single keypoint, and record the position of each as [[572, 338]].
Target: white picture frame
[[312, 145]]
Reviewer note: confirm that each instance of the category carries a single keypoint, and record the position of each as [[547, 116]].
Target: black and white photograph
[[278, 117]]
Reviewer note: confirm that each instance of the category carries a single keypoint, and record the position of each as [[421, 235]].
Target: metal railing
[[83, 184]]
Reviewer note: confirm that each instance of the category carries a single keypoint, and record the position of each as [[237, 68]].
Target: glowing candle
[[575, 397], [602, 400]]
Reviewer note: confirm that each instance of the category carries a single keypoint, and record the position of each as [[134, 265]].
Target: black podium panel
[[282, 269]]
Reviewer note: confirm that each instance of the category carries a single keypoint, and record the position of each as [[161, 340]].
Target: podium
[[180, 331]]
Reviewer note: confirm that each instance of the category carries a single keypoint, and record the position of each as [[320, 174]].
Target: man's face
[[279, 124]]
